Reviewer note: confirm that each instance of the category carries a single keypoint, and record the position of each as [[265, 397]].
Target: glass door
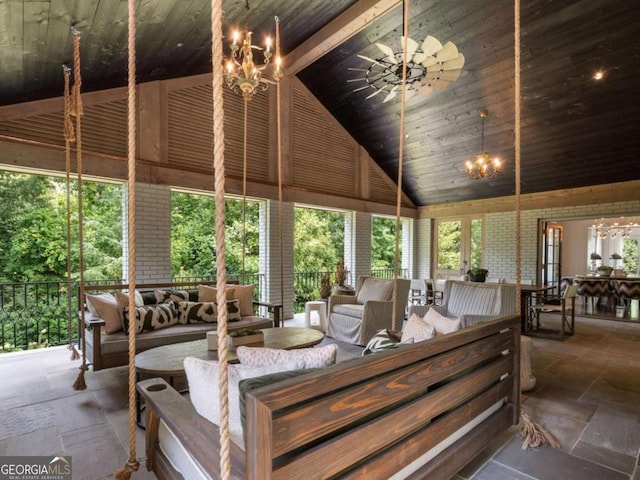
[[551, 254]]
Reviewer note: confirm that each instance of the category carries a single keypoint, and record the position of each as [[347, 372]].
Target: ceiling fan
[[430, 65]]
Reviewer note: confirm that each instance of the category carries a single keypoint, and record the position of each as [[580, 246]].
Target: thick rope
[[80, 383], [132, 464], [533, 434], [244, 189], [221, 273], [403, 100], [279, 154], [69, 137]]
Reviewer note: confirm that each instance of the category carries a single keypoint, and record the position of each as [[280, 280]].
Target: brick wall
[[153, 233], [357, 244]]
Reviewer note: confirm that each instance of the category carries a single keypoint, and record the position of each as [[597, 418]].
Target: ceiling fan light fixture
[[429, 64], [483, 166]]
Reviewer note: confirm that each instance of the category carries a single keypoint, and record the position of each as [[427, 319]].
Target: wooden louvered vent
[[381, 189], [190, 132], [104, 128], [323, 155]]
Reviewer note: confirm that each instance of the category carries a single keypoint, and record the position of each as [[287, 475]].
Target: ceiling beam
[[347, 24]]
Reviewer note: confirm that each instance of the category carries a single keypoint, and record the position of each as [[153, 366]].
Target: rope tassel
[[80, 384], [125, 472], [74, 353], [534, 434]]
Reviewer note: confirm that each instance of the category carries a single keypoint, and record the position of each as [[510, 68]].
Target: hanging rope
[[69, 137], [221, 273], [403, 99], [77, 110], [132, 464], [244, 189], [279, 150], [532, 433]]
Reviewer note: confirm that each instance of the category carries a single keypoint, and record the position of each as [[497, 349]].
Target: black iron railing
[[37, 314]]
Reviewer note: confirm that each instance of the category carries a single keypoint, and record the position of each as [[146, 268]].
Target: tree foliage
[[383, 243]]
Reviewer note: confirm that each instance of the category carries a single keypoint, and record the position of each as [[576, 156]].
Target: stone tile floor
[[587, 395]]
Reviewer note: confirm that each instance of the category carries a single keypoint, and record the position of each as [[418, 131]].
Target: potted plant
[[325, 285], [477, 274], [604, 270], [245, 336]]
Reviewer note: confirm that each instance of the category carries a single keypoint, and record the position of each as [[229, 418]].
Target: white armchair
[[357, 318]]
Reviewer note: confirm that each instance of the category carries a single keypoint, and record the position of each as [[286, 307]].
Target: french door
[[551, 267]]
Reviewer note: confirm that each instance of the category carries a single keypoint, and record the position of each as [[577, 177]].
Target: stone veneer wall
[[500, 245]]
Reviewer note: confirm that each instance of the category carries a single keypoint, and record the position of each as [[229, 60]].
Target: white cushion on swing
[[202, 376], [105, 306]]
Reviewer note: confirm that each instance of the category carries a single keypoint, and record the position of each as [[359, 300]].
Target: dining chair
[[564, 305]]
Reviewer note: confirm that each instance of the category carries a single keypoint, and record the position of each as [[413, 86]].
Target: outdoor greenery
[[383, 243], [630, 256], [449, 243]]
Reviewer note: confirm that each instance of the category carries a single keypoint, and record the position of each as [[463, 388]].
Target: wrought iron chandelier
[[242, 74], [481, 166]]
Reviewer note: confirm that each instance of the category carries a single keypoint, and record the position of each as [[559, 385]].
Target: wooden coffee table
[[167, 361]]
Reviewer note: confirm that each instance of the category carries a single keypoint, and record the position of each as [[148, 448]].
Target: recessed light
[[599, 75]]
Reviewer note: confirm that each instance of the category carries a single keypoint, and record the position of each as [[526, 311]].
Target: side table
[[319, 306]]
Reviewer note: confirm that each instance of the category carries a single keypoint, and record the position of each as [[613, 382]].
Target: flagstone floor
[[587, 395]]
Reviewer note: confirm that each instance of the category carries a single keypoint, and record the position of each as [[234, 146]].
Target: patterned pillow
[[197, 312], [442, 324], [383, 340], [151, 317], [164, 296], [233, 310], [418, 329], [318, 357], [202, 376]]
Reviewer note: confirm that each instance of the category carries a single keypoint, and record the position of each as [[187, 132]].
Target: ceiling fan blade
[[409, 91], [358, 69], [425, 89], [392, 94], [440, 84], [448, 75], [367, 59], [412, 46], [355, 80], [388, 52], [457, 62], [448, 52], [360, 88], [431, 45], [429, 61], [375, 93], [419, 57]]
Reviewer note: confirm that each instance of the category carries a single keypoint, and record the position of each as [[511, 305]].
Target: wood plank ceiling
[[575, 131]]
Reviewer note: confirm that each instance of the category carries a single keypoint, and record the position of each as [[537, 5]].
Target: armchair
[[356, 318]]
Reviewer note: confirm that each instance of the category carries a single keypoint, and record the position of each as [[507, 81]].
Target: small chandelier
[[242, 75], [481, 166]]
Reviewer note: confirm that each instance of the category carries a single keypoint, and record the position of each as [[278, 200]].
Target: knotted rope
[[132, 464], [77, 111], [69, 137], [403, 100], [533, 434], [221, 273]]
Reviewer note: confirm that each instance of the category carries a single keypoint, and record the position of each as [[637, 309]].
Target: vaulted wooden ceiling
[[576, 131]]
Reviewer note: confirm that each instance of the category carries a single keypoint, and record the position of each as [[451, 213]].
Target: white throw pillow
[[105, 307], [417, 329], [202, 376], [442, 324], [318, 357]]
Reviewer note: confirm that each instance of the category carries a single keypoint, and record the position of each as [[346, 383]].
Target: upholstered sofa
[[473, 302], [420, 410], [158, 323], [356, 318]]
